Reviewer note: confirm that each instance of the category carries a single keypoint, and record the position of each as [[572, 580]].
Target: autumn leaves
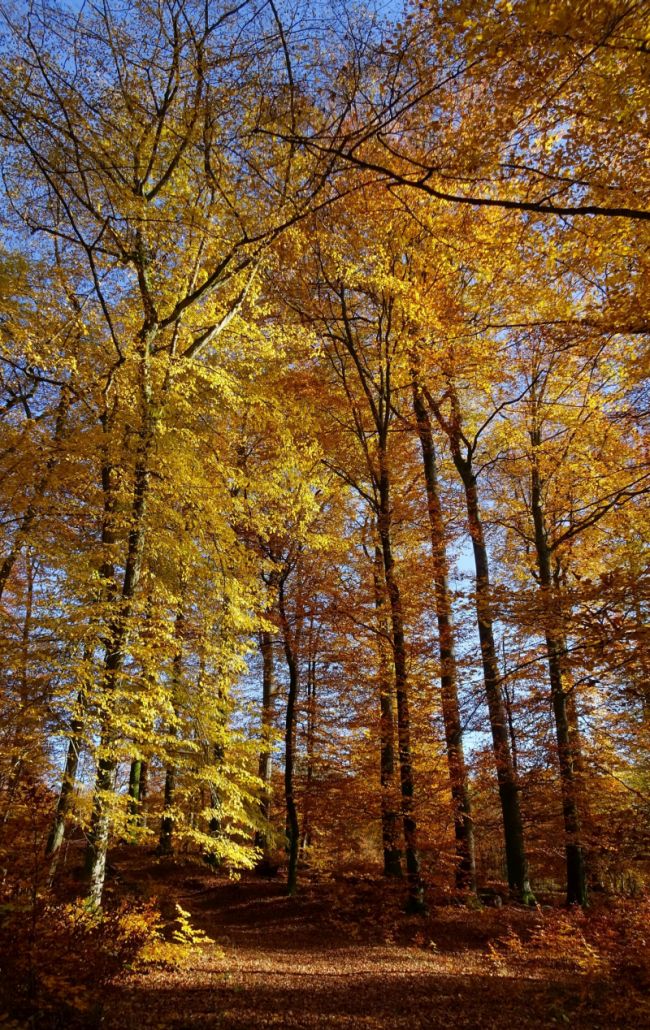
[[280, 360]]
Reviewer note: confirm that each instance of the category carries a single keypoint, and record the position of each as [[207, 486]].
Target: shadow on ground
[[300, 963]]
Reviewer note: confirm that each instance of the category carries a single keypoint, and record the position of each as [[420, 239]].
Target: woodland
[[324, 495]]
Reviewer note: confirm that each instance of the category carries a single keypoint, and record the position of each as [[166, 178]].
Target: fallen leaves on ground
[[342, 955]]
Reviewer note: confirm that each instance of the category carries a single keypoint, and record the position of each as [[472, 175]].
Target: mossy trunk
[[135, 788]]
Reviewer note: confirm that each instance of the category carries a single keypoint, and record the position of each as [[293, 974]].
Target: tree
[[509, 106], [463, 829], [128, 172], [354, 352], [568, 405], [286, 344]]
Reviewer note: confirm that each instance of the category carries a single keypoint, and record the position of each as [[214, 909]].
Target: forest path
[[328, 958]]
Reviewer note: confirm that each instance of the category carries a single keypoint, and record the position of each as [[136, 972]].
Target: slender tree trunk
[[144, 790], [68, 784], [293, 826], [463, 823], [137, 794], [166, 840], [99, 831], [389, 811], [310, 748], [135, 774], [514, 747], [415, 886], [555, 647], [215, 824], [509, 793], [265, 761]]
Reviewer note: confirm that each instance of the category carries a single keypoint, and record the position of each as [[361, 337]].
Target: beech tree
[[128, 172], [512, 106]]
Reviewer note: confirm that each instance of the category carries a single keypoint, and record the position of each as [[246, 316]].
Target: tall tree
[[463, 828]]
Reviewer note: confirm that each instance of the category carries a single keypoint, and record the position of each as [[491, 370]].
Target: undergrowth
[[59, 959]]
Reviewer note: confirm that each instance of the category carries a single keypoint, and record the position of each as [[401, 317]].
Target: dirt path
[[305, 963]]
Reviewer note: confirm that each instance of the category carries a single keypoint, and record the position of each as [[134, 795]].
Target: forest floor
[[342, 955]]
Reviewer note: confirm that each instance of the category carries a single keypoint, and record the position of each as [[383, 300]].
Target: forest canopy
[[324, 468]]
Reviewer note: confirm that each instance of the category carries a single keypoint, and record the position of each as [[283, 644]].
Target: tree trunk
[[98, 835], [135, 774], [507, 701], [463, 824], [215, 825], [509, 794], [144, 790], [137, 794], [555, 647], [389, 812], [99, 831], [68, 784], [13, 782], [513, 830], [166, 840], [310, 748], [293, 826], [265, 761], [415, 886]]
